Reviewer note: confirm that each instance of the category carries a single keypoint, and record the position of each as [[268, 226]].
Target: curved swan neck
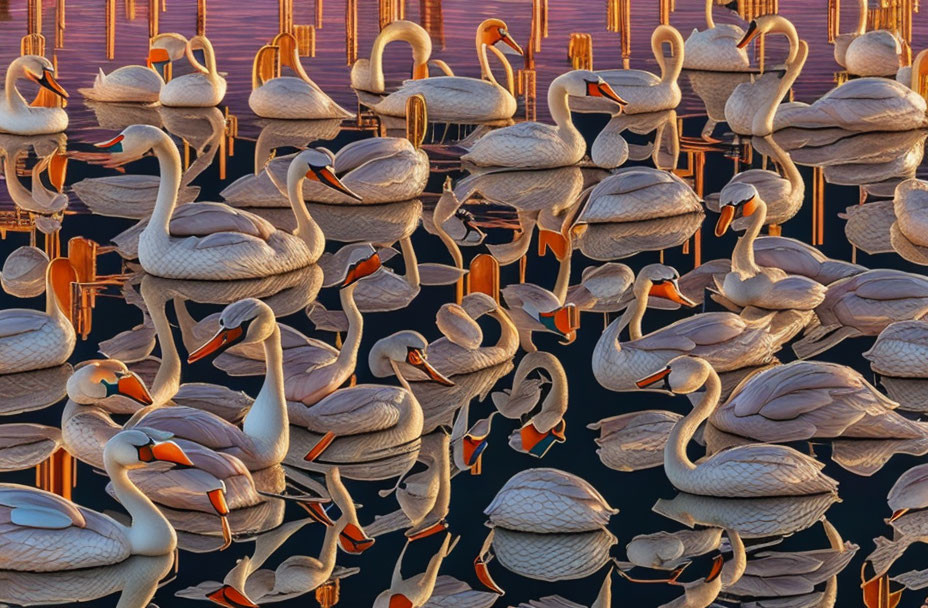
[[676, 462], [557, 396], [631, 318], [410, 261], [209, 56], [167, 380], [635, 314], [861, 17], [400, 377], [563, 277], [734, 570], [784, 159], [348, 355], [149, 532], [306, 227], [560, 110], [710, 22], [487, 73], [666, 34], [169, 165], [798, 51], [407, 31], [508, 332], [14, 98], [267, 421], [743, 256]]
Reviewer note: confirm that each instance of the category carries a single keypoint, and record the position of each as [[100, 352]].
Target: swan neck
[[267, 421], [169, 166], [149, 532], [676, 462], [734, 570], [417, 38], [743, 256], [560, 110], [14, 99], [348, 355], [710, 22], [306, 227], [167, 380], [563, 277], [410, 261], [399, 376]]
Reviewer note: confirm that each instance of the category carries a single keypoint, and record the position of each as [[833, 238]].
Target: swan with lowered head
[[863, 53], [20, 118], [367, 78], [204, 88], [138, 83]]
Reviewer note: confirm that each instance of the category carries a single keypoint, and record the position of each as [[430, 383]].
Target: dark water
[[237, 30]]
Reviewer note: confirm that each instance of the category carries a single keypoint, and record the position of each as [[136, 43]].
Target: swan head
[[765, 24], [164, 49], [492, 31], [40, 71], [316, 165], [660, 281], [362, 262], [135, 448], [735, 201], [248, 320], [96, 382], [135, 141], [403, 347], [583, 83], [683, 375]]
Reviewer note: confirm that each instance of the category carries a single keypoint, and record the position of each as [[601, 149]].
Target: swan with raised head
[[212, 241], [716, 47], [204, 88], [642, 90], [47, 533], [751, 108], [533, 145], [863, 53], [749, 284], [21, 118], [755, 470], [138, 83], [289, 97], [33, 339], [458, 99]]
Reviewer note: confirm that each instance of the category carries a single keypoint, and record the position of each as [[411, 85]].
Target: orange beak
[[47, 81], [132, 387], [482, 570], [58, 170], [224, 338], [603, 89], [317, 513], [433, 529], [749, 35], [168, 451], [726, 215], [362, 269], [555, 241], [653, 378], [417, 360], [400, 601], [897, 514], [353, 540], [510, 41], [716, 568], [158, 56], [473, 448], [217, 498], [669, 291], [229, 597], [326, 177]]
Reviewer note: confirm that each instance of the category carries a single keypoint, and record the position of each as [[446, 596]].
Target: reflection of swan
[[901, 350], [552, 556], [755, 470], [20, 118], [907, 234], [908, 499], [48, 533], [32, 339], [291, 97], [616, 240], [138, 83], [603, 598], [45, 206], [24, 445], [548, 501], [533, 145], [716, 47], [634, 441], [415, 591], [203, 88], [23, 273]]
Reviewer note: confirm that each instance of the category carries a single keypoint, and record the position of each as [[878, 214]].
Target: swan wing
[[33, 508], [893, 286], [359, 152], [705, 329], [206, 219], [18, 321], [360, 409], [195, 425]]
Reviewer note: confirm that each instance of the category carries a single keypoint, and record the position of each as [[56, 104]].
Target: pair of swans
[[449, 98], [42, 115], [140, 83], [212, 241]]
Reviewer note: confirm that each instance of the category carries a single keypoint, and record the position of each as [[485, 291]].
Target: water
[[236, 32]]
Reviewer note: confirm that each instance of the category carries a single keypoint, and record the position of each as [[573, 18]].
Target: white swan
[[204, 88], [211, 241], [749, 471], [33, 339], [716, 47], [367, 74], [863, 53], [458, 99], [642, 90], [533, 145], [18, 117], [138, 83], [289, 97], [751, 107]]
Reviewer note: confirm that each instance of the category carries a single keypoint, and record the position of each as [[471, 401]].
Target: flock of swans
[[305, 247]]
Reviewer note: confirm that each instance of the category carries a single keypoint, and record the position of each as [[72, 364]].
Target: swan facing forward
[[212, 241], [748, 471], [21, 118]]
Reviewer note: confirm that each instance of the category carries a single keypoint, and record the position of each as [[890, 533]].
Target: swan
[[863, 305], [751, 107], [138, 83], [910, 207], [204, 88], [750, 471], [415, 591], [24, 445], [548, 501], [366, 429], [47, 533], [638, 193], [634, 441], [728, 341], [541, 428], [899, 350], [909, 520], [863, 53], [458, 99], [641, 90], [32, 339], [546, 557], [669, 550], [367, 73], [748, 284], [716, 47], [18, 117], [810, 399], [211, 241], [45, 206], [289, 97], [23, 273], [533, 145]]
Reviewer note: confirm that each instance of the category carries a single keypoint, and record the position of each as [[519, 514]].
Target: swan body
[[204, 88], [899, 350], [138, 83], [289, 97], [910, 206], [756, 470], [18, 117], [748, 284], [716, 47], [367, 78], [32, 339], [46, 533], [795, 257], [751, 107], [634, 441], [638, 193], [863, 53], [210, 241], [643, 91], [533, 145]]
